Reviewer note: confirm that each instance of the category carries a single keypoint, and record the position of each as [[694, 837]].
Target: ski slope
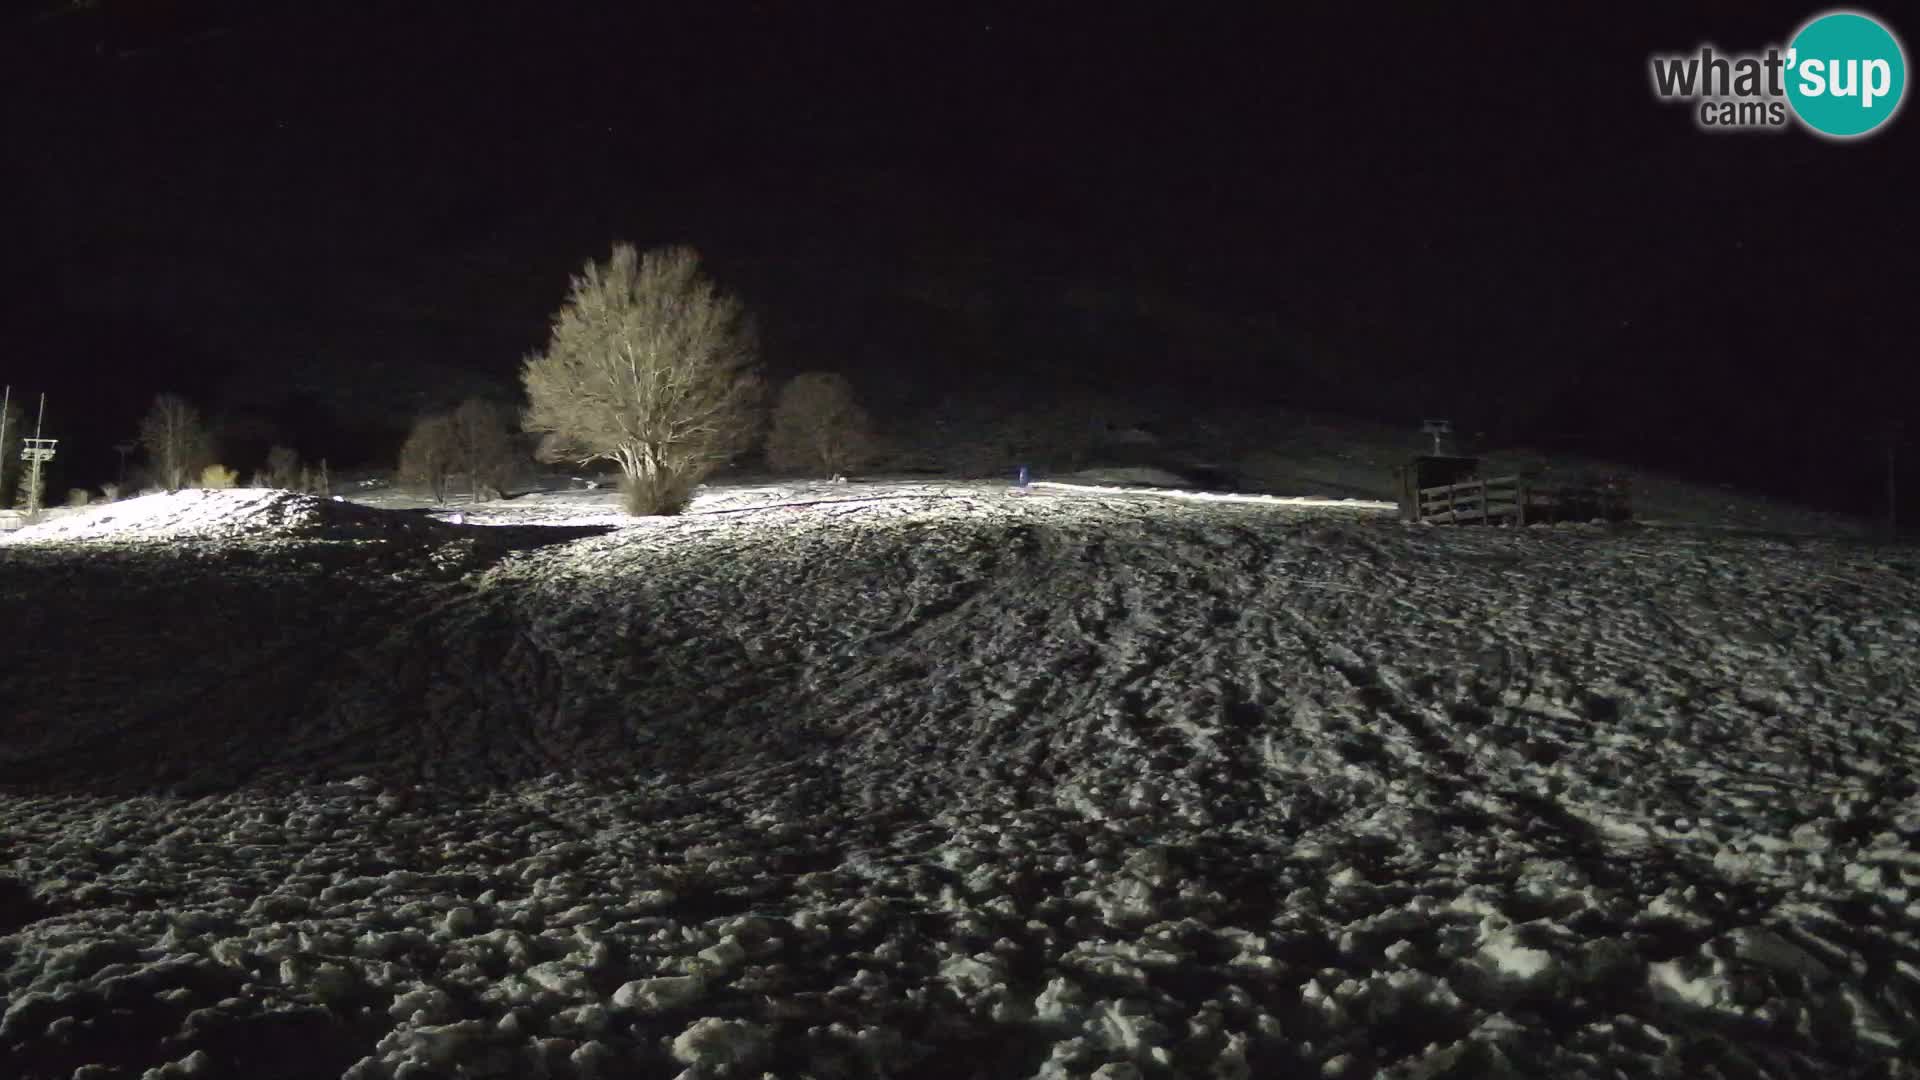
[[948, 780]]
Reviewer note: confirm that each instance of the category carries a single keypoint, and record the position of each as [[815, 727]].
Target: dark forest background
[[320, 219]]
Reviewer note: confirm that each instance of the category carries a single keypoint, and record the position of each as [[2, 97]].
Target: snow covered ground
[[944, 780]]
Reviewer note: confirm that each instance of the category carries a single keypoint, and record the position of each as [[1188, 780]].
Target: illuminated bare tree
[[651, 367], [177, 443], [817, 424]]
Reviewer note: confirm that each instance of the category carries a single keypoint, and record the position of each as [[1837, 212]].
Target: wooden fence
[[1512, 499], [1499, 498]]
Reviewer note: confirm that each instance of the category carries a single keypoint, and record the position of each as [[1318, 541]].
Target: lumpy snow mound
[[945, 780], [208, 514]]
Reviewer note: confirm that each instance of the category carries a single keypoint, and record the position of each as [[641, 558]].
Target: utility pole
[[1892, 437], [6, 406]]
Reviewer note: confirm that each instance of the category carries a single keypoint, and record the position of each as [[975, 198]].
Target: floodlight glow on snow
[[1218, 496]]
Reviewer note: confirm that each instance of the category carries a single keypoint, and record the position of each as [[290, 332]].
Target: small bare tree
[[427, 457], [176, 441], [818, 424], [482, 446], [651, 367], [283, 468]]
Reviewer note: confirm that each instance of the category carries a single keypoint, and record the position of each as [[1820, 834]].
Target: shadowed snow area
[[945, 780]]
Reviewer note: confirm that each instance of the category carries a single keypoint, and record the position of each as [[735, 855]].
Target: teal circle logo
[[1846, 74]]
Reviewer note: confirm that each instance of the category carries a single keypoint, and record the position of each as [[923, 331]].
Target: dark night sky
[[301, 210]]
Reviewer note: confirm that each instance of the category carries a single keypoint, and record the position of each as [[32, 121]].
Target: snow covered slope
[[943, 780]]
